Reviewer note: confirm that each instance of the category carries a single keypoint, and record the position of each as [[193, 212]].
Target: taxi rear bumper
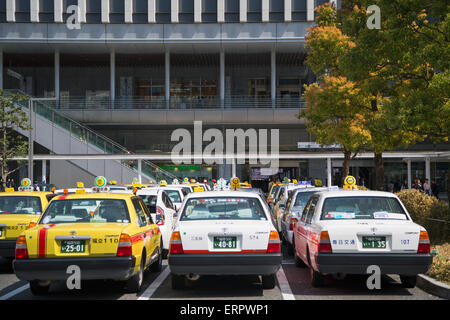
[[404, 264], [116, 268], [225, 263], [7, 248]]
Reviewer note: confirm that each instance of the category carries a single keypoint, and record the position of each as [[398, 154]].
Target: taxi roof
[[96, 195], [227, 193], [26, 193], [355, 193]]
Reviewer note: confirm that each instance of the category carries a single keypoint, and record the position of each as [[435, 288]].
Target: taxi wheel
[[135, 282], [157, 265], [38, 289], [408, 281], [317, 279], [178, 281], [268, 281]]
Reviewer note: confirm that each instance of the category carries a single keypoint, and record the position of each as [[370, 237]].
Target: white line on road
[[285, 289], [14, 292], [155, 284]]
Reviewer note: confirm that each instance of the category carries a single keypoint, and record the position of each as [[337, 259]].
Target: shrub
[[439, 227], [440, 269], [362, 188]]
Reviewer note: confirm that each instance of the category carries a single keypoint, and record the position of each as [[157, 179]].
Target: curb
[[433, 286]]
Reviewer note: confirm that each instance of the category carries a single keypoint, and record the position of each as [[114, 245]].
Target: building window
[[299, 10], [231, 10], [209, 11], [67, 4], [276, 11], [46, 11], [94, 11], [117, 11], [186, 11], [22, 10], [140, 11], [163, 11], [254, 13], [2, 11]]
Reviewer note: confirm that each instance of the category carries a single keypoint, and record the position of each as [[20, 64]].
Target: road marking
[[155, 284], [14, 292], [285, 289]]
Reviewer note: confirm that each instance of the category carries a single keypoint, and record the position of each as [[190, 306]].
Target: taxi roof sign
[[25, 182], [80, 184], [9, 190], [163, 183], [235, 182], [100, 181], [350, 180]]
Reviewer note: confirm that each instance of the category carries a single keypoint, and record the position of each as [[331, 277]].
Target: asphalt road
[[293, 283]]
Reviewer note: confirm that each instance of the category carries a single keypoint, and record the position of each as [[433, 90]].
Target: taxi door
[[304, 232], [155, 241], [144, 229]]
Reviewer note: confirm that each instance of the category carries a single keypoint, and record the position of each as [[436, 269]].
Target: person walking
[[435, 189], [427, 187]]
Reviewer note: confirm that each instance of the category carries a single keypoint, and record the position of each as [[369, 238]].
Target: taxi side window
[[146, 212], [167, 201], [312, 208], [305, 211], [139, 212], [50, 196]]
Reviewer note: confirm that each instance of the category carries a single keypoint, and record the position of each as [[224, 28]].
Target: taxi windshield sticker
[[341, 215], [388, 215]]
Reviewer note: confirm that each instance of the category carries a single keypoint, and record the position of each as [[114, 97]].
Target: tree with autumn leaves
[[381, 88]]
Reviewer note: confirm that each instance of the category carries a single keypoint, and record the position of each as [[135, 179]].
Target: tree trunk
[[346, 165], [379, 172]]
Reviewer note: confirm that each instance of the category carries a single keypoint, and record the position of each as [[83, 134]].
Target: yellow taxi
[[107, 235], [17, 210]]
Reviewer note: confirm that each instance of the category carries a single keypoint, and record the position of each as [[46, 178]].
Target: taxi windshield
[[20, 205], [362, 208], [301, 199], [219, 208], [86, 210]]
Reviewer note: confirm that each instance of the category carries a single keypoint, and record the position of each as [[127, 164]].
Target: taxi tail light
[[176, 246], [274, 245], [424, 243], [292, 223], [32, 225], [159, 216], [324, 243], [21, 248], [125, 249]]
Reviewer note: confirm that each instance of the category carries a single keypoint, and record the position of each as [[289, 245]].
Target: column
[[82, 12], [427, 170], [242, 10], [57, 66], [222, 76], [220, 11], [1, 69], [10, 10], [112, 87], [233, 168], [139, 170], [44, 171], [58, 11], [408, 164], [105, 11], [198, 11], [129, 11], [287, 10], [309, 10], [174, 11], [265, 10], [30, 141], [34, 10], [329, 172], [273, 76], [167, 78], [151, 11]]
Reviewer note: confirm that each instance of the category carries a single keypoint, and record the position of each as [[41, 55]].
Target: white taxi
[[345, 232], [224, 233]]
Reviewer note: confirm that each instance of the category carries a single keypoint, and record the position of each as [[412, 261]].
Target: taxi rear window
[[86, 210], [20, 205], [301, 199], [364, 207], [150, 202], [223, 208], [174, 195]]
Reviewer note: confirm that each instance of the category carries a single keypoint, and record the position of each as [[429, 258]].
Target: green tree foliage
[[12, 117]]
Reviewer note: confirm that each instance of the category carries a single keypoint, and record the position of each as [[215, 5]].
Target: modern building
[[136, 70]]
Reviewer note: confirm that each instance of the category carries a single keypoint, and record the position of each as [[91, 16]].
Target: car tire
[[178, 282], [134, 284], [408, 281], [157, 265], [268, 281], [38, 289], [317, 279]]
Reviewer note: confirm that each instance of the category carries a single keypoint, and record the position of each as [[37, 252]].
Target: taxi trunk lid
[[74, 240], [373, 236], [12, 225], [224, 236]]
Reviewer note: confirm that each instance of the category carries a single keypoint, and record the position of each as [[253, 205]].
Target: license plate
[[374, 242], [224, 242], [72, 246]]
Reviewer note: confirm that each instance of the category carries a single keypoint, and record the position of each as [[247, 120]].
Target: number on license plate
[[72, 246], [374, 242], [224, 242]]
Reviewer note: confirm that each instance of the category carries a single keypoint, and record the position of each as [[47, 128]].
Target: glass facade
[[140, 11], [231, 10], [209, 11], [67, 4], [299, 10], [94, 11], [276, 11], [186, 11], [22, 10], [162, 11], [254, 11], [116, 11], [47, 9], [2, 11]]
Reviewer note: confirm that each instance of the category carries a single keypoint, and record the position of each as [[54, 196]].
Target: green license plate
[[224, 242], [72, 246], [374, 242]]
